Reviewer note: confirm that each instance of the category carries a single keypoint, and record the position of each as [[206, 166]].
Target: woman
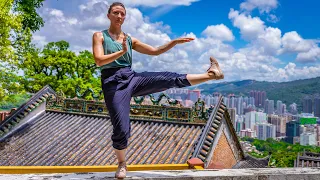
[[112, 50]]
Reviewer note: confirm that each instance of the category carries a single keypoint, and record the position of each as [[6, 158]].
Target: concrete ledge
[[87, 169], [224, 174]]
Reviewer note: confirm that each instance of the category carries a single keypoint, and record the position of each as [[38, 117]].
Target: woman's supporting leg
[[118, 105], [121, 155]]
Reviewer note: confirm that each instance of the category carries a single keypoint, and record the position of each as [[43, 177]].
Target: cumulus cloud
[[263, 5], [155, 3], [130, 3], [310, 56], [220, 32], [268, 41], [292, 72], [293, 42], [272, 18], [250, 27]]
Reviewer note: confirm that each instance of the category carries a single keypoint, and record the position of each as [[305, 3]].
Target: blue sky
[[271, 40], [300, 17]]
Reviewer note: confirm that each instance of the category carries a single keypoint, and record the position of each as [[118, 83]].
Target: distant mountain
[[287, 92]]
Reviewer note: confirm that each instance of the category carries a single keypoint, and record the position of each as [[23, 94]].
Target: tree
[[30, 18], [9, 24], [282, 156], [60, 68], [18, 18], [54, 64]]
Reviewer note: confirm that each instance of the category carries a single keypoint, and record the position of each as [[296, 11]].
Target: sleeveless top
[[111, 46]]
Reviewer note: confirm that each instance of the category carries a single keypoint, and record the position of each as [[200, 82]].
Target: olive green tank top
[[111, 46]]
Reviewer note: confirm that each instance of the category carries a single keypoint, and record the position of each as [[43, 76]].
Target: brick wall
[[4, 114], [223, 156]]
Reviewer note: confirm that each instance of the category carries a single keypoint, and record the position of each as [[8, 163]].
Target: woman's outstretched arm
[[147, 49]]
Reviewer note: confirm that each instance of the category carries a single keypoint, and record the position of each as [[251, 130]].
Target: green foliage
[[257, 155], [59, 67], [283, 154], [17, 19], [30, 18], [55, 64], [9, 24], [14, 101]]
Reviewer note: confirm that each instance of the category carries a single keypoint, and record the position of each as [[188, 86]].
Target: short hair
[[115, 4]]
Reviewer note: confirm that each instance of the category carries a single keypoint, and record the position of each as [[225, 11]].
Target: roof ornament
[[96, 97]]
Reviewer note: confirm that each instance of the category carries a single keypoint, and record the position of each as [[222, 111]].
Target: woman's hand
[[183, 40], [124, 44]]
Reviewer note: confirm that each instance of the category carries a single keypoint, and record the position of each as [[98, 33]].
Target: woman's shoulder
[[100, 34], [97, 35]]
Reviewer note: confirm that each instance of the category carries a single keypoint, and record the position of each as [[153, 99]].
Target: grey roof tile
[[61, 139]]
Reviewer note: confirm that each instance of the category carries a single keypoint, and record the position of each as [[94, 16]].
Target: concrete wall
[[223, 174]]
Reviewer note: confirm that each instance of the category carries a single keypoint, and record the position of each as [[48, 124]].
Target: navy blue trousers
[[120, 84]]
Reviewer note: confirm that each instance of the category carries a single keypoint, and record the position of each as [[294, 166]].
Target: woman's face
[[117, 15]]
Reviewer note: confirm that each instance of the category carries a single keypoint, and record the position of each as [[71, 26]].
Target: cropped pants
[[120, 84]]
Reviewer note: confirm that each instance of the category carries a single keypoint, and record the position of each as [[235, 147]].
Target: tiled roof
[[16, 116], [58, 138], [307, 159], [206, 141], [61, 138], [251, 162]]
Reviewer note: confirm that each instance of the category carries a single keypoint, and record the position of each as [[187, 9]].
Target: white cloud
[[291, 72], [155, 3], [250, 28], [39, 40], [311, 56], [95, 4], [268, 41], [58, 16], [273, 18], [220, 32], [293, 42], [240, 67], [56, 12], [262, 5]]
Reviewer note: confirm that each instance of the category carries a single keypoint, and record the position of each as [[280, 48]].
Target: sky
[[264, 40]]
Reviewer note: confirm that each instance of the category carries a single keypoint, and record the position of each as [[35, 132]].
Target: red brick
[[223, 157], [195, 162]]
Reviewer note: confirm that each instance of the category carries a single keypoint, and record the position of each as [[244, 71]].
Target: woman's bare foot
[[214, 71]]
